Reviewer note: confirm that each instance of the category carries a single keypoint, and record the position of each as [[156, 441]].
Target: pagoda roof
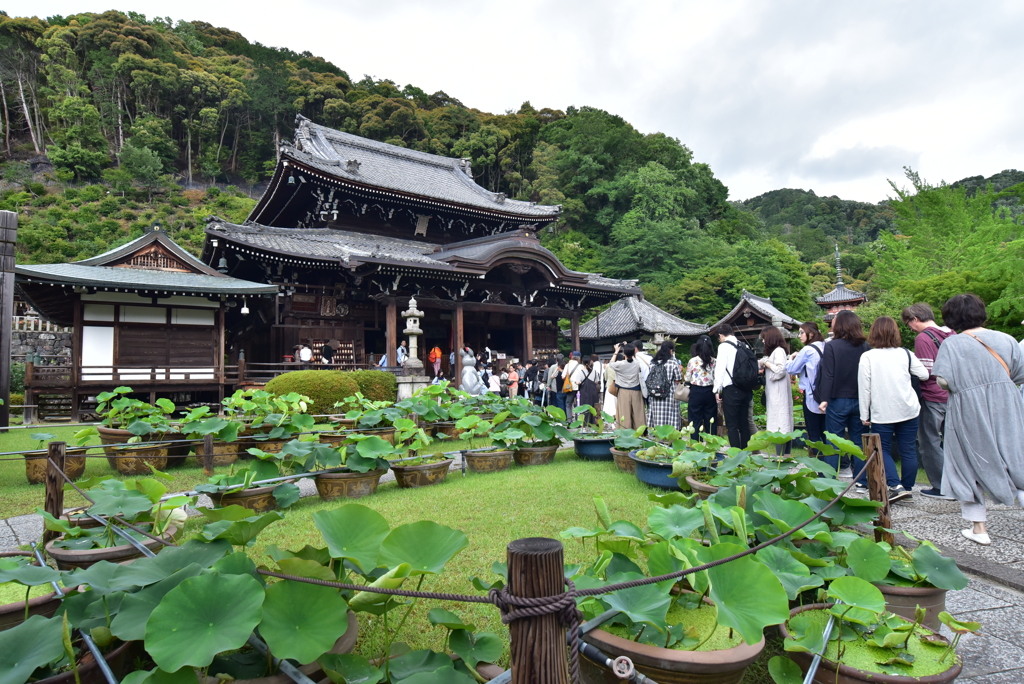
[[631, 315], [762, 305], [840, 295], [367, 163], [466, 259]]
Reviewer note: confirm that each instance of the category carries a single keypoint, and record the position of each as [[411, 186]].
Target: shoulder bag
[[994, 353], [915, 381]]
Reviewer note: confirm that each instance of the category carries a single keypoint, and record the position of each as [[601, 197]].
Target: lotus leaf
[[300, 567], [29, 575], [424, 545], [748, 596], [446, 674], [130, 622], [237, 563], [854, 591], [808, 635], [353, 532], [286, 493], [958, 626], [674, 521], [349, 669], [647, 604], [201, 617], [302, 621], [378, 604], [624, 529], [474, 649], [787, 514], [34, 643], [126, 502], [185, 675], [240, 532], [794, 575], [447, 619], [233, 512], [941, 572], [868, 560]]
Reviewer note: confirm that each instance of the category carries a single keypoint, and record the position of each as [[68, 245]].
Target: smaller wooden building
[[841, 297], [752, 314], [147, 314], [633, 318]]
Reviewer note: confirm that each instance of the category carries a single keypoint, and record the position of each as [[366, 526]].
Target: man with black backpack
[[736, 377]]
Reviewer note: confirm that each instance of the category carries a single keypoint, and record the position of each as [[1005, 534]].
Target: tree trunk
[[188, 154], [224, 130], [120, 126], [7, 119], [28, 116]]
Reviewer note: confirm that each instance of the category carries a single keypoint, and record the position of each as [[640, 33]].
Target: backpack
[[435, 355], [744, 369], [567, 378], [658, 386]]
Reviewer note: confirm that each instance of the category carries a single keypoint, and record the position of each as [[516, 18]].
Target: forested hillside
[[113, 121]]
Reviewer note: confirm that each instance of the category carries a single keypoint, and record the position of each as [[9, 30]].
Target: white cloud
[[830, 96]]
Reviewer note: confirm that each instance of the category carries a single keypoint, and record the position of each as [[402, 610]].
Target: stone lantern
[[412, 378]]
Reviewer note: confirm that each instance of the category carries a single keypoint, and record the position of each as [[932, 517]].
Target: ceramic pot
[[224, 453], [488, 462], [69, 559], [256, 499], [36, 464], [904, 601], [699, 488], [623, 461], [348, 485], [653, 473], [119, 660], [594, 448], [13, 614], [422, 475], [128, 460], [446, 427], [332, 439], [827, 673], [531, 456]]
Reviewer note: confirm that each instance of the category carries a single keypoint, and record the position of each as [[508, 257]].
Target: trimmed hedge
[[17, 399], [376, 385], [324, 387]]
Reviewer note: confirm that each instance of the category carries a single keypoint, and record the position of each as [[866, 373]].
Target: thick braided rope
[[516, 607]]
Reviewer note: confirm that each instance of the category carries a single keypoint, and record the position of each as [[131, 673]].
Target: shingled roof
[[427, 176], [634, 315], [762, 305], [841, 294]]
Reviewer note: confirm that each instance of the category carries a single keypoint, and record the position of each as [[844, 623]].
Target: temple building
[[349, 229], [633, 318], [840, 297], [752, 314]]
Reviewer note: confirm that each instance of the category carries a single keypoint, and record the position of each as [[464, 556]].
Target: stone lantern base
[[410, 384]]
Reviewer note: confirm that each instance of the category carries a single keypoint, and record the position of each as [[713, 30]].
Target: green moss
[[325, 388], [858, 654], [704, 619]]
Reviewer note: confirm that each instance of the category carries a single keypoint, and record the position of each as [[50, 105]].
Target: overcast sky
[[836, 97]]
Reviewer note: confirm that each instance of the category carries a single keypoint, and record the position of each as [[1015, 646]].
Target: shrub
[[322, 386], [377, 385], [17, 399]]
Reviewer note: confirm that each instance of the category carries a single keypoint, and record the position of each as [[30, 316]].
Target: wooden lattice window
[[155, 259]]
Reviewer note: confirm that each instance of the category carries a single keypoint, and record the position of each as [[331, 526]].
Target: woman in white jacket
[[888, 402]]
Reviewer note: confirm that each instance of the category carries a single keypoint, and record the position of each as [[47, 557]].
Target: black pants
[[815, 424], [702, 409], [735, 408]]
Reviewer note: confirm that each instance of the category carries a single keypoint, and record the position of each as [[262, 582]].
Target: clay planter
[[700, 489], [224, 453], [385, 433], [530, 456], [487, 462], [668, 665], [348, 485], [447, 427], [827, 674], [256, 499], [270, 446], [36, 464], [344, 644], [903, 601], [135, 462], [343, 423], [69, 559], [594, 448], [89, 672], [80, 520], [623, 461], [13, 614], [654, 473], [332, 439], [422, 475]]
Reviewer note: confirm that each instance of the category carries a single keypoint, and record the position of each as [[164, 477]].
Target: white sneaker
[[982, 539], [846, 472]]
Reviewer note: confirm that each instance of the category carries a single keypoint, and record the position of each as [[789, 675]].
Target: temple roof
[[468, 258], [631, 315], [841, 294], [366, 162], [762, 305]]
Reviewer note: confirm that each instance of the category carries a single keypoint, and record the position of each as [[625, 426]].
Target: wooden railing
[[245, 373], [35, 324]]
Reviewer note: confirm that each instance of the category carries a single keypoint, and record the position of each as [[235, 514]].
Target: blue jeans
[[842, 414], [558, 399], [906, 441]]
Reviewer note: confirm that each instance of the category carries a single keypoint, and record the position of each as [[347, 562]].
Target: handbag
[[915, 381], [681, 392], [613, 389]]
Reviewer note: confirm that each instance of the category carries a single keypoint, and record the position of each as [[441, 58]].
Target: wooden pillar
[[8, 238], [539, 654], [460, 342], [28, 416], [76, 358], [391, 332], [877, 486], [241, 372], [221, 333], [54, 503], [575, 332], [207, 455], [527, 337]]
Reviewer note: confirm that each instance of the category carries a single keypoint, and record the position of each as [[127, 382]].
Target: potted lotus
[[140, 502], [25, 591], [591, 440], [270, 420], [543, 430], [126, 421], [496, 457], [374, 417], [352, 470], [242, 485], [200, 422], [860, 641], [36, 463], [653, 459], [417, 470]]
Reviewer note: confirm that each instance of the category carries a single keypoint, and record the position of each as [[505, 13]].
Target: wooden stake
[[54, 504], [8, 238], [877, 487], [208, 455], [535, 569]]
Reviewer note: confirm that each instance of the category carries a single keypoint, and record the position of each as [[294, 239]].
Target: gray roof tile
[[841, 294], [761, 304], [134, 278], [630, 315]]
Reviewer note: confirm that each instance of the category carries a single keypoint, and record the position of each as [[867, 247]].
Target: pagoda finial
[[839, 268]]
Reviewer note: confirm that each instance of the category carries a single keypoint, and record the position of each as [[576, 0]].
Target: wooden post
[[877, 487], [391, 333], [76, 359], [527, 338], [576, 332], [460, 342], [8, 238], [208, 455], [241, 372], [54, 503], [539, 654], [28, 415]]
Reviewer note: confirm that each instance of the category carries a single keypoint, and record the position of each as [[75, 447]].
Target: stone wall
[[42, 343]]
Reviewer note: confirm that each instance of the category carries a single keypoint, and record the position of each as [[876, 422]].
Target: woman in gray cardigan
[[984, 436]]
